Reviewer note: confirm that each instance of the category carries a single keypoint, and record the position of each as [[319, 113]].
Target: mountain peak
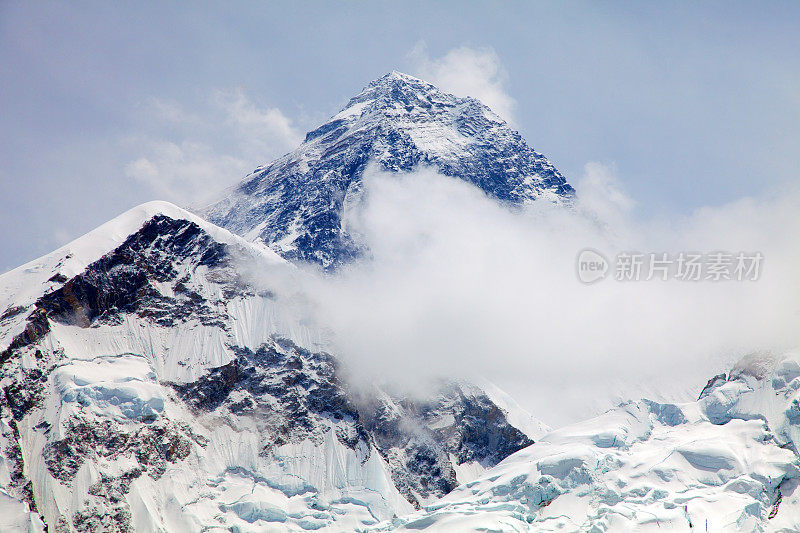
[[397, 78], [397, 75], [399, 122], [398, 94]]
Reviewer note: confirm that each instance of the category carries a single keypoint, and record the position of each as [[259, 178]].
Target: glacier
[[727, 462]]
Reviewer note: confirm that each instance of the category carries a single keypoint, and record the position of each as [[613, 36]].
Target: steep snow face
[[398, 122], [147, 385], [727, 462]]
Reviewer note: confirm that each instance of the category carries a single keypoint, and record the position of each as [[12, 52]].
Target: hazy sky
[[104, 107]]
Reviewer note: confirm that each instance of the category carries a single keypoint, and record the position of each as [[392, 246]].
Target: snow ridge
[[727, 462]]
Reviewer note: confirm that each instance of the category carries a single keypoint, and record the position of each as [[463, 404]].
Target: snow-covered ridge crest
[[398, 123], [20, 285], [147, 384]]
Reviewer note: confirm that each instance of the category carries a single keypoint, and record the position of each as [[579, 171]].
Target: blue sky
[[107, 106]]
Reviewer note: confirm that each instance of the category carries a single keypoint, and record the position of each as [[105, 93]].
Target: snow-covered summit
[[27, 282], [295, 204]]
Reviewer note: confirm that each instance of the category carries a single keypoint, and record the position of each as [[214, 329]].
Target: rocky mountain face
[[398, 123], [148, 385]]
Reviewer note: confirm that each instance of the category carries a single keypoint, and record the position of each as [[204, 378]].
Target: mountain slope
[[398, 123], [148, 383], [728, 462]]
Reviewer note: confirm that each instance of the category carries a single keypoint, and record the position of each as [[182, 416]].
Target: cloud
[[260, 130], [192, 154], [465, 71], [458, 285], [602, 194], [160, 110], [184, 173]]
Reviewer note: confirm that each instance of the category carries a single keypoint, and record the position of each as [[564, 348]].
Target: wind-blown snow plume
[[465, 71]]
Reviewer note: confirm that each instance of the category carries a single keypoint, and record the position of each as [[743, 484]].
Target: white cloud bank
[[459, 285]]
